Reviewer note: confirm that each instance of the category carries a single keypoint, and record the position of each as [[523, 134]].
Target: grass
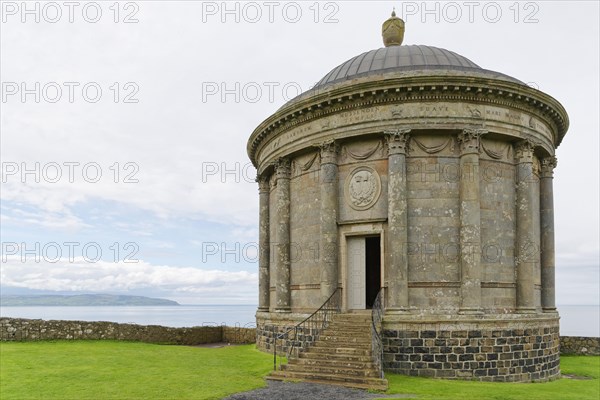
[[125, 370]]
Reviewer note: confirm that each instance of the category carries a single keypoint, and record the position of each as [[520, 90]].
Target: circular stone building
[[411, 170]]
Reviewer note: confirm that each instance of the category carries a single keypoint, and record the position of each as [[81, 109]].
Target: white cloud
[[63, 219], [103, 276]]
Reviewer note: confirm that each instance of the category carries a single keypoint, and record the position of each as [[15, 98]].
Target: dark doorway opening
[[372, 269]]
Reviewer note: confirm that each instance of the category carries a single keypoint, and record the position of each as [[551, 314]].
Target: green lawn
[[101, 370], [125, 370]]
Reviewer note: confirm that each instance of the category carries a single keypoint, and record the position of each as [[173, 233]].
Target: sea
[[574, 320], [173, 316]]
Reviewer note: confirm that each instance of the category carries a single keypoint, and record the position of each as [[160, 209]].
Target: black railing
[[300, 337], [376, 344]]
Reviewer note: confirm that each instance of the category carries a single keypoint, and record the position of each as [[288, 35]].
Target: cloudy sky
[[124, 128]]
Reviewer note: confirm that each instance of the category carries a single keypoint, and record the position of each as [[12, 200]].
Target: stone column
[[329, 210], [547, 234], [263, 244], [397, 236], [525, 247], [470, 221], [282, 247]]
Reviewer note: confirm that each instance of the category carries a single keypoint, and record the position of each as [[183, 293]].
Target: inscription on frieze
[[365, 114], [334, 123], [433, 110]]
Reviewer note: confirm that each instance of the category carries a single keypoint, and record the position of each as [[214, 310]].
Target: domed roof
[[391, 76], [412, 58]]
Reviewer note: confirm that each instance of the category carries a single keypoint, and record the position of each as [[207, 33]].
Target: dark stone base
[[507, 352]]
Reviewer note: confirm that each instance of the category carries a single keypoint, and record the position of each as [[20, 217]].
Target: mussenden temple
[[407, 222]]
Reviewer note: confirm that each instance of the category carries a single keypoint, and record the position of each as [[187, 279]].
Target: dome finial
[[393, 30]]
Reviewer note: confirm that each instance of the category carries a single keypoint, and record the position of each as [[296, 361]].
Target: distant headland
[[82, 300]]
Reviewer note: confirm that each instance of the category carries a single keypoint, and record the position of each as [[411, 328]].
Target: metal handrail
[[307, 331], [376, 324]]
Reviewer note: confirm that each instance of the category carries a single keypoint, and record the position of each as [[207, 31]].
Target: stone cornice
[[415, 89]]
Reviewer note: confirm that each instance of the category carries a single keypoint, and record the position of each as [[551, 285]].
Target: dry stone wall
[[578, 345], [17, 329]]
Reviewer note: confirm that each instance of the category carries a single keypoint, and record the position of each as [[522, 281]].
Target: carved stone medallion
[[362, 188]]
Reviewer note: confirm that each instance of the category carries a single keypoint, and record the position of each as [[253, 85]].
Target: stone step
[[320, 348], [347, 334], [355, 313], [343, 347], [331, 370], [348, 381], [352, 318], [337, 357], [344, 342], [349, 327], [365, 332], [341, 356], [341, 338], [350, 323], [357, 321], [336, 362]]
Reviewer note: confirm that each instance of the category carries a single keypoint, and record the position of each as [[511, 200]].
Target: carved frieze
[[343, 123], [430, 148], [396, 112], [495, 151], [479, 102], [303, 164], [474, 112], [348, 153]]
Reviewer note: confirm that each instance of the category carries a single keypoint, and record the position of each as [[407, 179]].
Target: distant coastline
[[100, 300]]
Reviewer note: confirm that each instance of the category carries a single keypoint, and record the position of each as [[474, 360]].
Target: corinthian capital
[[397, 140], [469, 140], [524, 151], [329, 151], [282, 168], [548, 165], [263, 183]]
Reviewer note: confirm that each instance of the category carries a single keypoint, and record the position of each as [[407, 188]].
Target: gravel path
[[310, 391]]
